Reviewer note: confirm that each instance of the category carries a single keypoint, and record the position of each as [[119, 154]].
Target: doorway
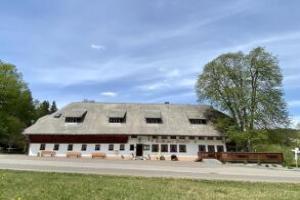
[[139, 149]]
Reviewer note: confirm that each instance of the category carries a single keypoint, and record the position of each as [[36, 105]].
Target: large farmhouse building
[[126, 131]]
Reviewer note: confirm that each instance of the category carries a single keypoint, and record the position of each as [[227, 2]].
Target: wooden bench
[[98, 155], [73, 154], [47, 153]]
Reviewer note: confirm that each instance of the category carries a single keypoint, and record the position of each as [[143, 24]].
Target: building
[[126, 131]]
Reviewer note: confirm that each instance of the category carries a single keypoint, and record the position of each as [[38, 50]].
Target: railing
[[253, 157]]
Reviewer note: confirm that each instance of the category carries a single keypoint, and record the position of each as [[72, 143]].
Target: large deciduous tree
[[16, 106], [246, 86]]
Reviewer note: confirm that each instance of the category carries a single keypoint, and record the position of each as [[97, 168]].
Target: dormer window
[[117, 116], [75, 116], [153, 120], [57, 115], [153, 117], [198, 121], [73, 120], [196, 118]]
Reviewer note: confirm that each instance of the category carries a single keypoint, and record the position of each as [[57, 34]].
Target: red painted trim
[[78, 138]]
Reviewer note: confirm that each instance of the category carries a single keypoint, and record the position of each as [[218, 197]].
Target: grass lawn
[[43, 186]]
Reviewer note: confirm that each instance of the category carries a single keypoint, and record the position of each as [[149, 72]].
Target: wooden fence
[[250, 157]]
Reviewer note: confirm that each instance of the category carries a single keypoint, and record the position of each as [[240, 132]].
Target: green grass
[[43, 186]]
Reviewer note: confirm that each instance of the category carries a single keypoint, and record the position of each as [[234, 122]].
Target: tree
[[16, 106], [53, 108], [248, 87], [43, 109]]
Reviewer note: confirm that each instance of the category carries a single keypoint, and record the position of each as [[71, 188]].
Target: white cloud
[[109, 94], [295, 120], [98, 47], [154, 86], [294, 103], [295, 35]]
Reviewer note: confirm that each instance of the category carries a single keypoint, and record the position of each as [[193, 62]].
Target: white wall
[[191, 147]]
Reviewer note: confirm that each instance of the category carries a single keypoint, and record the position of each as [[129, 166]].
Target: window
[[164, 137], [164, 148], [42, 147], [173, 137], [210, 138], [219, 138], [134, 136], [211, 148], [131, 147], [182, 148], [56, 147], [122, 147], [110, 147], [220, 148], [70, 147], [155, 148], [182, 137], [153, 120], [192, 137], [198, 121], [154, 137], [74, 119], [97, 147], [117, 120], [201, 138], [173, 148], [146, 147], [202, 148], [83, 147]]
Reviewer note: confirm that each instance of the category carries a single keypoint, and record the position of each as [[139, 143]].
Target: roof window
[[117, 116]]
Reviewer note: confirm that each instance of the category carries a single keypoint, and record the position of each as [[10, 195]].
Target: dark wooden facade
[[243, 157], [78, 139]]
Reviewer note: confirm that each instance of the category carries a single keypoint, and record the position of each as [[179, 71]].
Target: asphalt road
[[179, 169]]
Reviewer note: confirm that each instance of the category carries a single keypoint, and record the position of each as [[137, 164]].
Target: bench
[[98, 155], [47, 153], [73, 154]]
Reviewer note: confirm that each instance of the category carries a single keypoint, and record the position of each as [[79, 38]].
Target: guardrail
[[251, 157]]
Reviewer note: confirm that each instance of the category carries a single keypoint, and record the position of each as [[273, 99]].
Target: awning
[[78, 113], [152, 114], [117, 114]]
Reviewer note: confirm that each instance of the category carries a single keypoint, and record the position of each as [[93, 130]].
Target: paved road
[[179, 169]]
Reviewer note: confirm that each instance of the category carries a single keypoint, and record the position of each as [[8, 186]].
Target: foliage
[[53, 107], [17, 108], [248, 87], [38, 185]]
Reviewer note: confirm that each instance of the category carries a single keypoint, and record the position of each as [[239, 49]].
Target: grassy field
[[43, 186]]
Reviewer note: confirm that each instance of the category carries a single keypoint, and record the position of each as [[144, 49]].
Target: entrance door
[[139, 150]]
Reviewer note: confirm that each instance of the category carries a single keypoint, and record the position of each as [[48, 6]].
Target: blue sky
[[141, 50]]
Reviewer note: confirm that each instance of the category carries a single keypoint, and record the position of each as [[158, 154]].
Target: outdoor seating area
[[251, 157], [98, 155], [47, 153], [73, 154]]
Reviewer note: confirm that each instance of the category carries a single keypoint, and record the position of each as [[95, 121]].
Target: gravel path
[[179, 169]]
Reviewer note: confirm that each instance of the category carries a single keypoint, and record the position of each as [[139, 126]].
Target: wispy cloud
[[109, 94], [295, 120], [294, 103], [98, 47]]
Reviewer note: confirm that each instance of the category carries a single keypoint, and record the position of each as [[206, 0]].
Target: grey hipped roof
[[175, 120], [152, 114]]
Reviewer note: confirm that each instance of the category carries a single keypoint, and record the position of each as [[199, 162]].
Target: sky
[[140, 50]]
